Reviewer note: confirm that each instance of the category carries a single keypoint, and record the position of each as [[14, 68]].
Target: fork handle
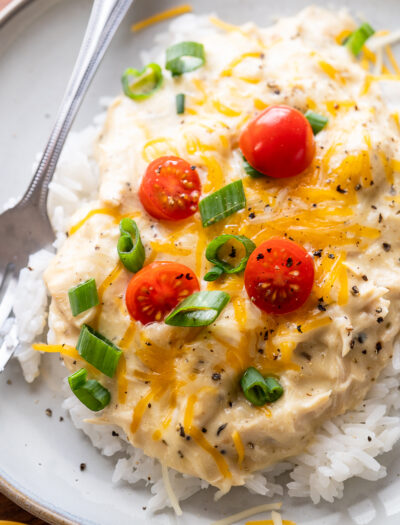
[[105, 17]]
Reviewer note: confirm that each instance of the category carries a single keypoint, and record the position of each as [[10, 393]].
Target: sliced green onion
[[98, 350], [222, 203], [130, 247], [83, 296], [275, 389], [139, 85], [215, 246], [180, 103], [317, 121], [250, 170], [213, 274], [184, 57], [259, 390], [89, 392], [199, 309], [358, 38], [254, 387]]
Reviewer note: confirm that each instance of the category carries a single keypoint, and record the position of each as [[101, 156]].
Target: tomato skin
[[157, 288], [279, 142], [170, 189], [279, 276]]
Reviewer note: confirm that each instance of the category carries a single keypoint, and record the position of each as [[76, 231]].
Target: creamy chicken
[[176, 394]]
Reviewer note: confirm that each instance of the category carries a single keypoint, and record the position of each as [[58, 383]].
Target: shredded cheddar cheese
[[237, 441], [66, 351], [332, 72], [160, 17]]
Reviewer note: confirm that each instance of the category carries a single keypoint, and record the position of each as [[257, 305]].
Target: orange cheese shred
[[237, 441], [160, 17]]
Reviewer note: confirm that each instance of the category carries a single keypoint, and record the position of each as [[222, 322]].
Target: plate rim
[[11, 9], [7, 488]]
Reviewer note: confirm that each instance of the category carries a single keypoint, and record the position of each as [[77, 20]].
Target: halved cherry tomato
[[156, 289], [279, 142], [170, 189], [279, 276]]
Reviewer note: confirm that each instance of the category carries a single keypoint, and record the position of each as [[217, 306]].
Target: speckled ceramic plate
[[40, 455]]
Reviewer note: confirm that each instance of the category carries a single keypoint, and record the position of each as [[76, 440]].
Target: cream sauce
[[177, 387]]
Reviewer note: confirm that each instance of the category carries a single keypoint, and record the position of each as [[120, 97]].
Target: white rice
[[345, 447]]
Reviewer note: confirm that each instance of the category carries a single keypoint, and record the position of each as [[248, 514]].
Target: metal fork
[[26, 228]]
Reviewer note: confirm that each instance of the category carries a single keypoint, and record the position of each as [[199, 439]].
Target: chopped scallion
[[250, 170], [83, 296], [222, 203], [199, 309], [130, 248], [184, 57], [180, 103], [139, 85], [89, 392], [213, 252], [259, 390], [358, 38], [317, 121], [213, 274], [275, 389], [98, 351]]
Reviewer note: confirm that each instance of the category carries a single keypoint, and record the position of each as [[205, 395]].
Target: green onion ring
[[259, 390], [213, 274], [83, 296], [184, 57], [217, 243], [199, 309], [89, 392], [98, 350], [275, 389], [222, 203], [180, 103], [358, 38], [139, 85], [130, 248], [317, 121]]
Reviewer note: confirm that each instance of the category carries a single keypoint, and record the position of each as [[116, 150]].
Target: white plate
[[39, 455]]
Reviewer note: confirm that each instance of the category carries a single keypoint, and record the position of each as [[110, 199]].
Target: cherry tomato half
[[157, 288], [279, 142], [279, 276], [170, 189]]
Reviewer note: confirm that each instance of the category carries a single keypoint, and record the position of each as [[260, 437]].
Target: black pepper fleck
[[221, 428]]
